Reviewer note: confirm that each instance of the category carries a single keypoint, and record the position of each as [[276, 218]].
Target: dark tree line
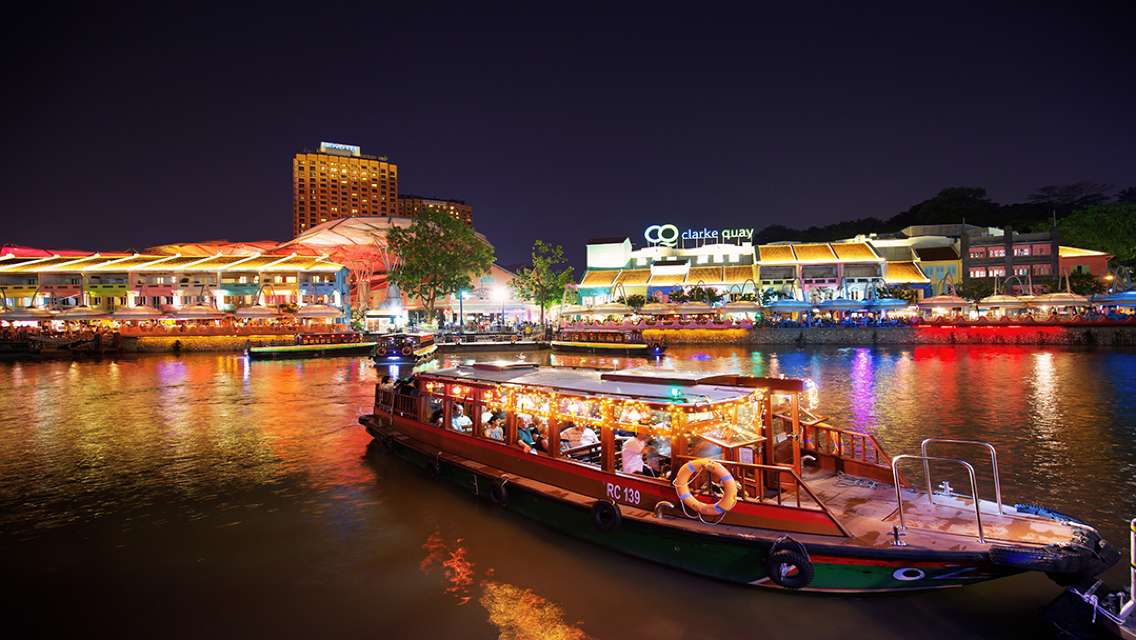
[[971, 205]]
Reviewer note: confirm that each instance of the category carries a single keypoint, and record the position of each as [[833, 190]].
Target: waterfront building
[[1028, 256], [169, 281], [410, 206], [339, 181], [1074, 260]]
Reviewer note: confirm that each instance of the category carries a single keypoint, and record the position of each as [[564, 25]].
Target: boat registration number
[[629, 495]]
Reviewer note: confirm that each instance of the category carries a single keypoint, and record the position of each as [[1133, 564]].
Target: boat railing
[[926, 460], [842, 443], [924, 447], [398, 403], [761, 483]]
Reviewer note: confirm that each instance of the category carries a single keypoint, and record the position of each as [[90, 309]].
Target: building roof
[[1074, 252], [738, 275], [776, 253], [633, 276], [854, 252], [819, 252], [600, 278], [659, 280], [705, 274], [112, 263], [904, 273], [931, 254], [408, 196]]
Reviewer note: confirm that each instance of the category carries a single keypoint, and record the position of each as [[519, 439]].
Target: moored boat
[[316, 345], [404, 347], [721, 475], [602, 340]]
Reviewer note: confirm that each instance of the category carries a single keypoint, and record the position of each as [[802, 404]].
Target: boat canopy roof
[[650, 385]]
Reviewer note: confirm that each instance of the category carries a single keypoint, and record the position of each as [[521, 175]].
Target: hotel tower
[[338, 181]]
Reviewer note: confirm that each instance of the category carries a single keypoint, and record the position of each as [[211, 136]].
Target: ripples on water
[[208, 495]]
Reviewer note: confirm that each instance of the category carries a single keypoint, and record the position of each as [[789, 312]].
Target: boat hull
[[418, 355], [838, 568], [608, 348], [311, 351]]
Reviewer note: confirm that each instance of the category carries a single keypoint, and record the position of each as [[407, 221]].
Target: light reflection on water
[[244, 495]]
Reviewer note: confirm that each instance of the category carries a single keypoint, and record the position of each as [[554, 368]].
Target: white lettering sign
[[668, 235], [630, 495]]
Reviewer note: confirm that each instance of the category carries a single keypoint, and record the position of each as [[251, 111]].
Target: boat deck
[[868, 510]]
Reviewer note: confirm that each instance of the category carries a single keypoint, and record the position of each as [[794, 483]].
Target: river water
[[206, 495]]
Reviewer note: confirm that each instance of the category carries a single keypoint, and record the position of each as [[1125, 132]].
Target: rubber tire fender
[[407, 351], [498, 494], [606, 515], [382, 350], [789, 568]]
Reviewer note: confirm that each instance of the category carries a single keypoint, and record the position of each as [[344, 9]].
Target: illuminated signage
[[340, 149], [668, 235]]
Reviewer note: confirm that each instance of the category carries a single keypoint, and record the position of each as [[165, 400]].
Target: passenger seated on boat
[[574, 436], [387, 384], [632, 452], [494, 429], [436, 417], [458, 420]]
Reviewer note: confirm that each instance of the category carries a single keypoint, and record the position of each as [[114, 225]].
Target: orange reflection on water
[[518, 613]]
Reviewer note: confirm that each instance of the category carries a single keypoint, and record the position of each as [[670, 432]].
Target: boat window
[[434, 413], [460, 416], [493, 424], [580, 442]]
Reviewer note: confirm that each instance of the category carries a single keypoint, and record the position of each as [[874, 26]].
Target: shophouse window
[[1021, 250], [997, 252], [978, 252], [1022, 270], [1042, 269], [1042, 250], [997, 272], [978, 272]]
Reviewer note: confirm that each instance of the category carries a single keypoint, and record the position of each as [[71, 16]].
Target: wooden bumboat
[[817, 507], [316, 345], [404, 347], [607, 341]]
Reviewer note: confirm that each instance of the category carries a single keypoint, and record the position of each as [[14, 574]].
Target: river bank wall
[[178, 344]]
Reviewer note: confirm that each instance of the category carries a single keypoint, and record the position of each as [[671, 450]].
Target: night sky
[[126, 127]]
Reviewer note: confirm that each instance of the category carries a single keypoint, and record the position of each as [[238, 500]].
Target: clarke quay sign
[[668, 235]]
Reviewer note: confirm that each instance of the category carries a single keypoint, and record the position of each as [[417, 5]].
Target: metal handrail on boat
[[858, 444], [978, 443], [753, 475], [899, 488]]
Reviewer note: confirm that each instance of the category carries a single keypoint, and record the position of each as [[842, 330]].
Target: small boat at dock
[[628, 342], [399, 348], [316, 345], [726, 476]]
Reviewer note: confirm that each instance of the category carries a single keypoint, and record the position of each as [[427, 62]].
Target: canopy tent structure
[[26, 314], [944, 301], [1118, 299], [789, 305], [612, 308], [689, 308], [82, 313], [1060, 299], [313, 311], [659, 309], [741, 306], [257, 311], [843, 304], [136, 313], [197, 312], [573, 309], [1001, 301], [887, 304]]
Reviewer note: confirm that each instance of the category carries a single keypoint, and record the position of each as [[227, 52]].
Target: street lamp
[[462, 295]]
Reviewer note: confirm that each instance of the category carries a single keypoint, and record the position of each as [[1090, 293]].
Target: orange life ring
[[407, 351], [382, 351], [690, 470], [513, 339]]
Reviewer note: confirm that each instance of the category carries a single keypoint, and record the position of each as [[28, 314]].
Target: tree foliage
[[437, 256], [1108, 227], [1072, 196], [543, 281], [1127, 196], [975, 290], [635, 301]]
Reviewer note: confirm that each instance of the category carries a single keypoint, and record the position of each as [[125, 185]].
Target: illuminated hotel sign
[[668, 235], [340, 149]]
